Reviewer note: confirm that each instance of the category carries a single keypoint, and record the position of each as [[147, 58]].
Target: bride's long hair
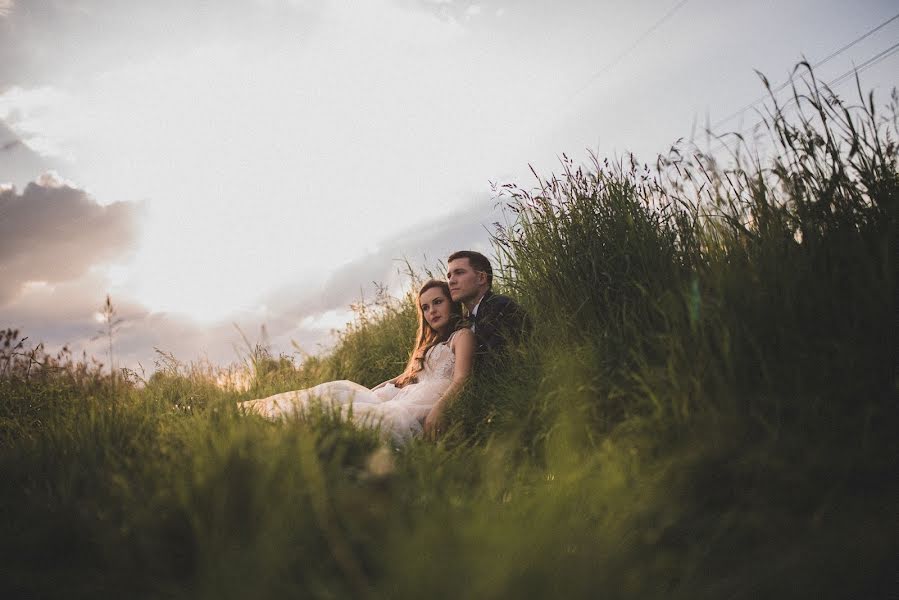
[[427, 337]]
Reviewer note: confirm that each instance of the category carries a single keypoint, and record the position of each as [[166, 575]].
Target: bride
[[414, 401]]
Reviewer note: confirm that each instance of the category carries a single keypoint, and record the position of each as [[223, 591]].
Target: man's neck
[[477, 300]]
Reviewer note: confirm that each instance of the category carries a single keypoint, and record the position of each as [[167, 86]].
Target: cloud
[[472, 11], [447, 9], [423, 245], [25, 112], [64, 314], [53, 232], [19, 163], [305, 312], [302, 313], [39, 38]]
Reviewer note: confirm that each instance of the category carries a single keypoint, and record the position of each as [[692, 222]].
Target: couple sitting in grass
[[448, 346]]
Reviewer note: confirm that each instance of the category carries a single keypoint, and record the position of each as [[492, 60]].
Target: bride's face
[[436, 308]]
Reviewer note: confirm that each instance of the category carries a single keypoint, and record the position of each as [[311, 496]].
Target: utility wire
[[858, 39], [833, 54], [879, 57], [855, 70], [868, 63], [621, 55]]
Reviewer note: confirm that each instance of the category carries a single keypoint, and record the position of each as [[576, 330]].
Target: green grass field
[[707, 408]]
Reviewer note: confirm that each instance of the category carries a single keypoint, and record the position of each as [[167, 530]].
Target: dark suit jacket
[[500, 320]]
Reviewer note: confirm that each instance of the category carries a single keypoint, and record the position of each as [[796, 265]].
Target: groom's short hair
[[478, 262]]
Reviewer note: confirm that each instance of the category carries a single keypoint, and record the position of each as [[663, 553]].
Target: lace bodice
[[439, 363]]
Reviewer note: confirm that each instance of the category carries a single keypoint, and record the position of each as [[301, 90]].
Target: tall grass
[[706, 408]]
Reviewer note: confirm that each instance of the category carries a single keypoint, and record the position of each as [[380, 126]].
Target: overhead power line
[[856, 70], [623, 54], [865, 65], [857, 40], [821, 62]]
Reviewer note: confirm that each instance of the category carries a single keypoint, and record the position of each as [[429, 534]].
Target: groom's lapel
[[485, 303], [482, 307], [484, 319]]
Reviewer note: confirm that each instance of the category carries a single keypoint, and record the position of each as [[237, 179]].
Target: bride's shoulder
[[462, 338]]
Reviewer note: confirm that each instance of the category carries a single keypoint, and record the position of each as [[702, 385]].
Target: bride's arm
[[463, 347], [383, 383]]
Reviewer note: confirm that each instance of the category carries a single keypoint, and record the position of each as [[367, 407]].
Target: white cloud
[[36, 116], [19, 164], [327, 320]]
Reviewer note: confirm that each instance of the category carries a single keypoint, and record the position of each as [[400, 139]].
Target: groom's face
[[465, 283]]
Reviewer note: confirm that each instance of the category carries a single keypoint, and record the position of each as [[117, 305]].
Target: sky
[[217, 167]]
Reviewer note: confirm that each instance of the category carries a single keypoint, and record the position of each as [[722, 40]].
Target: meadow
[[706, 408]]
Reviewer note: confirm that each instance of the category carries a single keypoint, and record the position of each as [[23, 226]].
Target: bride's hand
[[432, 422]]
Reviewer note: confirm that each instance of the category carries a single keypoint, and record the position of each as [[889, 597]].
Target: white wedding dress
[[399, 411]]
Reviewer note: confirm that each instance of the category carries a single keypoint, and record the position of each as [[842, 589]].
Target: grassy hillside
[[707, 408]]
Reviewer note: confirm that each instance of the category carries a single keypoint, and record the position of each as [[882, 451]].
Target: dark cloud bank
[[52, 232]]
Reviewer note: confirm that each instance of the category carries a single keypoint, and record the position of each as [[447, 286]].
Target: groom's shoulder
[[500, 303], [501, 300]]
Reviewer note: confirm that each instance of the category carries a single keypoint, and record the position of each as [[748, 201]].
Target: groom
[[495, 319]]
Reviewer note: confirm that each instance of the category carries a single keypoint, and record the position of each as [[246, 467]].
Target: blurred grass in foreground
[[707, 409]]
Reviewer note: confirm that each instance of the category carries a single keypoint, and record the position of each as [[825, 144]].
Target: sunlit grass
[[706, 408]]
